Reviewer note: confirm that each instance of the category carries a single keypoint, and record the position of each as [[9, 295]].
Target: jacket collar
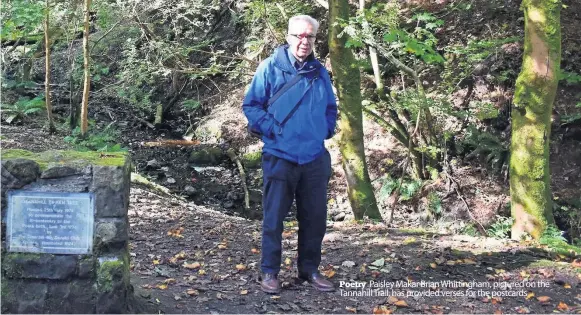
[[281, 60]]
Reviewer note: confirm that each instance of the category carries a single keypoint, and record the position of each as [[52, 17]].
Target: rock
[[152, 164], [60, 171], [348, 264], [252, 160], [170, 180], [255, 195], [25, 171], [111, 230], [228, 204], [165, 169], [111, 187], [36, 266], [339, 217], [232, 196], [207, 156], [190, 190]]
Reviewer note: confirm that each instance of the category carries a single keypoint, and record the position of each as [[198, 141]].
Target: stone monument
[[65, 232]]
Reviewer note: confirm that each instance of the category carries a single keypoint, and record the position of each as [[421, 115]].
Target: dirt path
[[189, 259]]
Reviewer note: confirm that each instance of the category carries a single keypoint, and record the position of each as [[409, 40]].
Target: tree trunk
[[536, 86], [87, 72], [51, 128], [348, 81]]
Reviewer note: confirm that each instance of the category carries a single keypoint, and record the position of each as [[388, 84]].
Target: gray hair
[[305, 18]]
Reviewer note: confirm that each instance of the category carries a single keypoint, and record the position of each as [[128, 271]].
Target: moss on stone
[[106, 274], [252, 159], [11, 262], [88, 158], [111, 271]]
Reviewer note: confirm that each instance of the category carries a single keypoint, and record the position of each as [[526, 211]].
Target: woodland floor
[[189, 258], [201, 254]]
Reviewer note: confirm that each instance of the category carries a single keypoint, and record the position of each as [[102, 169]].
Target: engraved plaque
[[49, 222]]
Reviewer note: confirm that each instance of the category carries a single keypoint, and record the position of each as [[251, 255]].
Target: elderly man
[[291, 105]]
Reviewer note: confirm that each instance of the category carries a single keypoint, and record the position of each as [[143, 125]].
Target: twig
[[106, 33], [145, 122], [268, 23], [479, 226], [232, 155]]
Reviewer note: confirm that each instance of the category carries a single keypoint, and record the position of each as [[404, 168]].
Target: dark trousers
[[284, 181]]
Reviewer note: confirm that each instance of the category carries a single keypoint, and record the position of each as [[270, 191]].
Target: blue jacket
[[301, 138]]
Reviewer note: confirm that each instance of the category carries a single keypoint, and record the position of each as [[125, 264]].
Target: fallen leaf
[[378, 263], [562, 306], [201, 272], [169, 281], [287, 261], [222, 246], [418, 268], [243, 292], [156, 262], [329, 273], [275, 297], [496, 300], [219, 296], [240, 267], [498, 312], [176, 232], [433, 265], [255, 251], [161, 286], [381, 309], [362, 269], [530, 295], [576, 263], [401, 303], [192, 292], [522, 310], [543, 299], [193, 265], [469, 261], [409, 240], [392, 300], [524, 274], [287, 234], [567, 286], [450, 263], [177, 297], [351, 309]]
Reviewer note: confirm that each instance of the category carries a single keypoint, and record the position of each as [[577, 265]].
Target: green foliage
[[416, 38], [21, 18], [191, 105], [552, 234], [570, 78], [470, 229], [485, 146], [102, 141], [434, 204], [501, 227], [420, 42], [407, 190], [22, 108], [462, 60]]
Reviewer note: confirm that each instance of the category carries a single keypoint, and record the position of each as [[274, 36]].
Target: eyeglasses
[[310, 38]]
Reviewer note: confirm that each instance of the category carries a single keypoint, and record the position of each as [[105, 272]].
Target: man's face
[[301, 39]]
